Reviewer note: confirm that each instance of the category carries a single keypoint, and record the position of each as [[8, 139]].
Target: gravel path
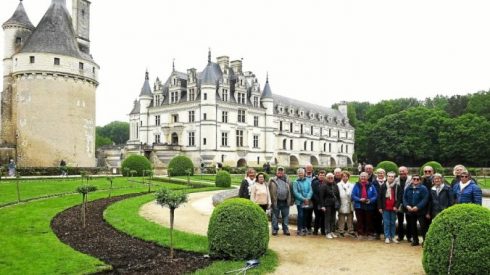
[[305, 254]]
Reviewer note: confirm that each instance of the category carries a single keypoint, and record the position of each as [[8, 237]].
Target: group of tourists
[[378, 200]]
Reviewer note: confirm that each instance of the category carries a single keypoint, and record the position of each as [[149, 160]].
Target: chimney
[[343, 108], [236, 65], [224, 62]]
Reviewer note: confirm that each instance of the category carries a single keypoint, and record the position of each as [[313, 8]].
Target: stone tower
[[50, 79]]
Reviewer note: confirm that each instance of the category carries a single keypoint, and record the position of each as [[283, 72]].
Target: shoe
[[287, 233], [341, 235], [409, 240], [351, 234], [414, 244], [315, 232], [309, 232], [387, 241], [377, 236], [334, 235], [395, 241], [329, 236], [274, 232], [399, 240]]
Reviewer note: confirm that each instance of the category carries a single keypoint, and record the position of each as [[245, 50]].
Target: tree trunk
[[83, 210], [171, 232], [110, 190]]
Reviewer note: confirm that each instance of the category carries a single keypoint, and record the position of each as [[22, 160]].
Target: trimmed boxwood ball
[[180, 165], [435, 165], [136, 163], [223, 179], [238, 229], [458, 241], [388, 166]]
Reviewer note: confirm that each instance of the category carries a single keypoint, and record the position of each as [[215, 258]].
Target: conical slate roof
[[146, 90], [267, 90], [19, 18], [54, 34], [211, 74]]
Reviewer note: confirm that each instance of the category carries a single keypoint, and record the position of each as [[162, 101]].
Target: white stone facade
[[222, 115]]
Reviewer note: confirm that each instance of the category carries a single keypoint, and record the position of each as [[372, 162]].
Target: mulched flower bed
[[126, 254]]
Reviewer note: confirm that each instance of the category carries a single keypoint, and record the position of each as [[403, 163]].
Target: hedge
[[180, 166], [223, 179], [458, 241], [388, 166], [435, 165], [135, 163], [238, 229]]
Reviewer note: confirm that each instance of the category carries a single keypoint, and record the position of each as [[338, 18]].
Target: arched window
[[175, 139], [284, 144]]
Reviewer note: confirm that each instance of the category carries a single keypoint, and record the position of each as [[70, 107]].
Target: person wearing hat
[[281, 200]]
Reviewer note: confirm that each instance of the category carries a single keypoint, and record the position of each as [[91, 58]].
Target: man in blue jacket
[[415, 200]]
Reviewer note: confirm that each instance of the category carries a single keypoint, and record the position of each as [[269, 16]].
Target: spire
[[19, 18], [173, 65], [209, 55], [54, 33], [146, 90], [267, 93]]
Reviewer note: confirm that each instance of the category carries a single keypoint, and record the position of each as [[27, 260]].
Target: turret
[[81, 24], [343, 108], [145, 98], [268, 103], [16, 31]]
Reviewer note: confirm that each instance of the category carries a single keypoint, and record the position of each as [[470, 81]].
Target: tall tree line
[[116, 132], [408, 131]]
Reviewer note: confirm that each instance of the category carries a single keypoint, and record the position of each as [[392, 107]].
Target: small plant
[[169, 172], [110, 179], [435, 165], [172, 200], [388, 166], [149, 173], [223, 179], [84, 190], [188, 173]]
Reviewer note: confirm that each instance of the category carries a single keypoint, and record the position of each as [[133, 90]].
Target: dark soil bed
[[126, 254]]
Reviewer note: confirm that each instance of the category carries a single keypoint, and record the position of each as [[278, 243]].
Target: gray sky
[[319, 51]]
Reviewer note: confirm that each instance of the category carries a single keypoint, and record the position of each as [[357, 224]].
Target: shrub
[[388, 166], [223, 179], [435, 165], [458, 241], [238, 229], [179, 166], [135, 163]]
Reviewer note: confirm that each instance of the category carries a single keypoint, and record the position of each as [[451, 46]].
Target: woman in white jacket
[[346, 208]]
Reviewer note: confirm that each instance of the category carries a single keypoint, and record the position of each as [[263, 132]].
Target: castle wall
[[55, 118]]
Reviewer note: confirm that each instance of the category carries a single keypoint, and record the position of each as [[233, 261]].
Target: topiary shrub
[[458, 241], [135, 163], [435, 165], [388, 166], [223, 179], [238, 229], [180, 165]]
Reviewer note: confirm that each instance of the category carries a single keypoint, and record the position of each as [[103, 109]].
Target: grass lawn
[[124, 216], [29, 246], [31, 189]]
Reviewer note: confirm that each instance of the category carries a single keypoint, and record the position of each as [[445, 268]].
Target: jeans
[[301, 219], [319, 220], [282, 208], [400, 229], [412, 219], [308, 214], [389, 218]]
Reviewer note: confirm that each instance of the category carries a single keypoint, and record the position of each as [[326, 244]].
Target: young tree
[[172, 200], [110, 179], [84, 190]]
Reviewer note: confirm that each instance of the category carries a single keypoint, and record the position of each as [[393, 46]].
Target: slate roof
[[267, 90], [20, 18], [298, 104], [146, 89], [136, 108], [211, 74], [55, 34]]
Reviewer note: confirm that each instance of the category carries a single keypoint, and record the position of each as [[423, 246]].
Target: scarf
[[463, 185], [389, 187], [364, 190], [250, 184]]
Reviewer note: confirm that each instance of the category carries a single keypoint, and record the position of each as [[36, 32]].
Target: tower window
[[32, 59], [205, 96], [80, 65], [18, 40], [56, 61], [83, 13]]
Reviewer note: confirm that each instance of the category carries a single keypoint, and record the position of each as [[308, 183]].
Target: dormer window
[[225, 95], [18, 40], [241, 98], [192, 94], [256, 101]]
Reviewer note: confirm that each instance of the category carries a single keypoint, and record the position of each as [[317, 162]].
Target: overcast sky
[[319, 51]]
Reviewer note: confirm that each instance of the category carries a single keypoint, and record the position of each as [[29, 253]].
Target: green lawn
[[31, 189], [124, 216], [29, 246]]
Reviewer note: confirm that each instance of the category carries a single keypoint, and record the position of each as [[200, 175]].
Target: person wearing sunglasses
[[466, 190], [415, 201]]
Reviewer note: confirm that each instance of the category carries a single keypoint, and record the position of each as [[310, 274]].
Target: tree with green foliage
[[180, 166], [115, 132], [102, 141], [479, 104], [456, 105], [84, 190], [223, 179], [465, 140], [172, 200]]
